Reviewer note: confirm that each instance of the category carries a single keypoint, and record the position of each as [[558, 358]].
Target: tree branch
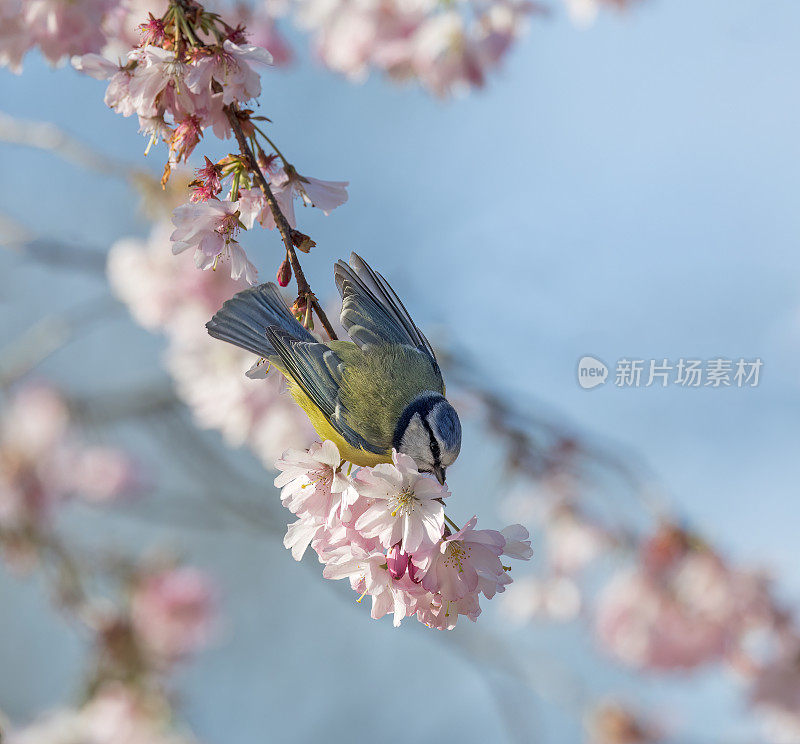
[[303, 287]]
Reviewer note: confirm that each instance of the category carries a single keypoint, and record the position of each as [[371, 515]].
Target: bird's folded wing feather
[[372, 313], [318, 372]]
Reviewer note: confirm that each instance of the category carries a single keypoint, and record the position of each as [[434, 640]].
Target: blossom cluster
[[446, 48], [680, 606], [43, 464], [167, 614], [192, 72], [384, 529], [165, 293]]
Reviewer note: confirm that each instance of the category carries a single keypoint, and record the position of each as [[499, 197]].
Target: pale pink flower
[[117, 96], [154, 128], [33, 458], [368, 575], [518, 542], [62, 29], [311, 482], [693, 611], [159, 83], [445, 56], [15, 38], [122, 25], [572, 541], [42, 463], [253, 208], [405, 504], [465, 562], [299, 534], [234, 67], [115, 714], [324, 195], [158, 287], [442, 614], [210, 228], [172, 612], [101, 474]]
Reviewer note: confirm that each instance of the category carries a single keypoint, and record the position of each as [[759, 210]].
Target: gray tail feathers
[[243, 320]]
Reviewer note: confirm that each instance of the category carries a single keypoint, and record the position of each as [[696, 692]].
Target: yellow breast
[[352, 454]]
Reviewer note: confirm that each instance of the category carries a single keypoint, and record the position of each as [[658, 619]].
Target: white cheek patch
[[416, 443]]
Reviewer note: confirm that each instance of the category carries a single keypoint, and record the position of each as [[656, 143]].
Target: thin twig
[[303, 287]]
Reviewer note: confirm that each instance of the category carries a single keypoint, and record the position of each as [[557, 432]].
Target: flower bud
[[397, 562], [299, 307], [285, 273]]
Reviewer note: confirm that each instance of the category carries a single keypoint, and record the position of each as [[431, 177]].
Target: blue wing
[[372, 313]]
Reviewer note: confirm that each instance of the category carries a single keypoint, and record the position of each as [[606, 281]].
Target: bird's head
[[429, 432]]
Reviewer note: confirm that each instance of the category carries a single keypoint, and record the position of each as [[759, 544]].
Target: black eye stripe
[[434, 444]]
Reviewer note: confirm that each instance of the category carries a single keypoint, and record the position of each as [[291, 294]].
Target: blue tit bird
[[381, 390]]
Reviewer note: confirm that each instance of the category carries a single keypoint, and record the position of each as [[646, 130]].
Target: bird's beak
[[440, 473]]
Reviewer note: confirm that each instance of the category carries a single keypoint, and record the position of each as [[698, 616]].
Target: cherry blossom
[[688, 610], [325, 195], [233, 67], [405, 505], [115, 714], [465, 562], [43, 463], [172, 611], [210, 228], [117, 95], [311, 483], [158, 287], [15, 39], [262, 30], [368, 574], [360, 531]]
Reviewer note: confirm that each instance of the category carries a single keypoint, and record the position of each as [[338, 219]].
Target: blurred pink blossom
[[554, 597], [687, 609], [42, 463], [775, 694], [444, 48], [173, 612], [262, 30], [115, 714], [158, 287]]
